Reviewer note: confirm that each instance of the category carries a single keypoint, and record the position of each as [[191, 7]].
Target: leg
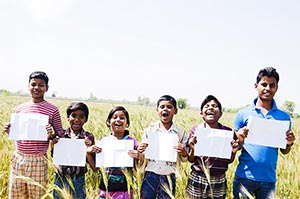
[[79, 186], [149, 185], [242, 187], [37, 170], [167, 186], [266, 190], [17, 187]]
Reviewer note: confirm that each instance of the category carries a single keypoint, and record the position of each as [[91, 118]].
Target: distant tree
[[289, 107], [182, 103], [92, 97], [53, 94], [144, 101], [5, 92]]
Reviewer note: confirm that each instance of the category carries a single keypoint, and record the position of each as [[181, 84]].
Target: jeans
[[155, 185], [259, 189], [78, 183]]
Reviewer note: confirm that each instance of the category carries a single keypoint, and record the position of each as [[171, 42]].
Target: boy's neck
[[165, 126], [37, 100], [214, 125], [264, 104]]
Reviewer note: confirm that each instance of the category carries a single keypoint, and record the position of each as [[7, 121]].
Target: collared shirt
[[75, 170], [163, 167], [258, 162], [217, 166]]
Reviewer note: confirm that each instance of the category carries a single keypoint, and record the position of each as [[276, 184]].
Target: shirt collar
[[274, 106]]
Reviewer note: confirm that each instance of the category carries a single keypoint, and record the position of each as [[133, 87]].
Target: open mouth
[[210, 113], [165, 114], [118, 124]]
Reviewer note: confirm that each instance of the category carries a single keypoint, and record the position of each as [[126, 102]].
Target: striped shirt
[[45, 108], [217, 166]]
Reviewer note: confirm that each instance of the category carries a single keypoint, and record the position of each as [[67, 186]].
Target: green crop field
[[288, 169]]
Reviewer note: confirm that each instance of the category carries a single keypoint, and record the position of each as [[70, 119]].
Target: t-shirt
[[257, 162], [45, 108]]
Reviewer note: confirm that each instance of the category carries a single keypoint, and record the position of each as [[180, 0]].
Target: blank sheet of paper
[[69, 152], [267, 132], [213, 142], [28, 126], [161, 146], [114, 153]]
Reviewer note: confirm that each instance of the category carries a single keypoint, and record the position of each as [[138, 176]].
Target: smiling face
[[37, 88], [266, 88], [211, 113], [76, 120], [118, 123]]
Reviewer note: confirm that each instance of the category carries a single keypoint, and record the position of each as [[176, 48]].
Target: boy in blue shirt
[[256, 170]]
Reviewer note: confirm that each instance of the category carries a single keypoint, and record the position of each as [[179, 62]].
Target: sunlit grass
[[288, 168]]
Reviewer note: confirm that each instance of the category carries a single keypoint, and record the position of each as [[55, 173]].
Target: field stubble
[[288, 183]]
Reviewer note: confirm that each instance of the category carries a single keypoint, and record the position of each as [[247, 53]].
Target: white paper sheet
[[213, 142], [28, 126], [114, 153], [69, 152], [267, 132], [161, 146]]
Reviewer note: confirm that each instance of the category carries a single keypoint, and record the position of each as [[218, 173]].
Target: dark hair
[[208, 99], [269, 72], [167, 98], [111, 113], [74, 106], [39, 75]]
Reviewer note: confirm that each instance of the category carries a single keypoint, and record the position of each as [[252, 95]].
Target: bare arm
[[90, 152], [290, 137]]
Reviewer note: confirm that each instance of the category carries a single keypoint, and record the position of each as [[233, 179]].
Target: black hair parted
[[112, 112], [208, 99], [39, 75], [268, 72], [167, 98], [74, 106]]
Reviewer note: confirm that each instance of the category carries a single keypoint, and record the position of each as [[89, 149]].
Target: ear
[[176, 110], [255, 85], [107, 123], [47, 87], [221, 113]]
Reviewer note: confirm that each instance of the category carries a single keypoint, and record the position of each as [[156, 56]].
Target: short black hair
[[167, 98], [115, 109], [39, 75], [74, 106], [208, 99], [269, 72]]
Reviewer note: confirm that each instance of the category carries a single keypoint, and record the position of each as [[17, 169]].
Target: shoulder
[[178, 129], [281, 115], [152, 127], [49, 105], [225, 127], [131, 138]]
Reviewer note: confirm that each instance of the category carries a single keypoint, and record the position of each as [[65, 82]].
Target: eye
[[214, 105], [264, 84]]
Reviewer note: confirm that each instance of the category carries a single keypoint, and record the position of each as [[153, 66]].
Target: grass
[[288, 169]]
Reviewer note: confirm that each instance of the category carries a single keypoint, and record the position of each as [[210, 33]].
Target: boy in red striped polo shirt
[[30, 157]]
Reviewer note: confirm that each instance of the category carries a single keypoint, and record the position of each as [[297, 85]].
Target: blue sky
[[125, 49]]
